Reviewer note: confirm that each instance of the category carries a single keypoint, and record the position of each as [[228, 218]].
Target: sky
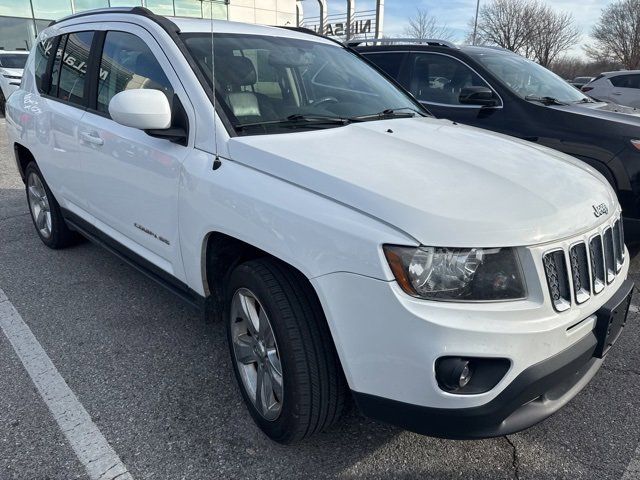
[[456, 14]]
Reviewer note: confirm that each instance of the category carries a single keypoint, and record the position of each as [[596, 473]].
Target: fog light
[[470, 376], [454, 373], [465, 376]]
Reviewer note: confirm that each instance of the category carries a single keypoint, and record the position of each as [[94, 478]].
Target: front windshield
[[13, 60], [271, 84], [529, 79]]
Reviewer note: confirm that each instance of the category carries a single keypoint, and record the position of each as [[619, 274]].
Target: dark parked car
[[580, 82], [498, 90]]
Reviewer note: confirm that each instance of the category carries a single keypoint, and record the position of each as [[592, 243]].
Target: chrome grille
[[580, 272], [597, 264], [618, 244], [586, 269], [556, 269], [609, 255]]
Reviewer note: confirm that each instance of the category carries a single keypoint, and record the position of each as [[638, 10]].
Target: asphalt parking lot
[[155, 380]]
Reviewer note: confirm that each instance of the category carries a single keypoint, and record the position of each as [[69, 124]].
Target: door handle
[[617, 93], [93, 138]]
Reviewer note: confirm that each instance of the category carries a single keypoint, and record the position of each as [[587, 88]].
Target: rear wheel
[[3, 104], [282, 351], [45, 211]]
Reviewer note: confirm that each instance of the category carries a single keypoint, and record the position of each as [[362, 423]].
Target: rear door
[[131, 178], [391, 63], [63, 105]]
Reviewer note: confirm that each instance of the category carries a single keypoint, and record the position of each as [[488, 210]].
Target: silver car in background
[[11, 65], [621, 87]]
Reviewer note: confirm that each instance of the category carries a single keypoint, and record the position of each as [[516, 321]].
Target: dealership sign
[[339, 29], [363, 23]]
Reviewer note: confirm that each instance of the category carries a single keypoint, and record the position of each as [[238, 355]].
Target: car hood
[[442, 183], [14, 72], [605, 111]]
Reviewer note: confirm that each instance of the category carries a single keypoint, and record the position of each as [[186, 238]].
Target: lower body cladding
[[392, 349]]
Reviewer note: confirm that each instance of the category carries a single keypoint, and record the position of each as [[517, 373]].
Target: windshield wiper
[[387, 114], [586, 100], [544, 100], [299, 120]]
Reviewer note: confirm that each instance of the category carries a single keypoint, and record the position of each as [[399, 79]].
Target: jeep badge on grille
[[599, 210]]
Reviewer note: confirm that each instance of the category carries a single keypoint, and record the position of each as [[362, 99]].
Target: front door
[[437, 80], [132, 178]]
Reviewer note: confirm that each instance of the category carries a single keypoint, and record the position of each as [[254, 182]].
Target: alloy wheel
[[256, 354], [39, 205]]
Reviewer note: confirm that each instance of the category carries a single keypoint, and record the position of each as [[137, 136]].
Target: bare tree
[[552, 33], [424, 26], [507, 24], [527, 27], [617, 34]]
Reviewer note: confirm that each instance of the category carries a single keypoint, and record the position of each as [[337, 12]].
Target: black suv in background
[[498, 90]]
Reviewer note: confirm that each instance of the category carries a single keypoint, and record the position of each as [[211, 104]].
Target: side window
[[55, 72], [42, 53], [620, 81], [74, 67], [440, 78], [634, 82], [389, 62], [128, 63]]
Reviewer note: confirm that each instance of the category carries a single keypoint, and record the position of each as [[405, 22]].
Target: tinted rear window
[[391, 63], [42, 53], [74, 67], [626, 81], [13, 60]]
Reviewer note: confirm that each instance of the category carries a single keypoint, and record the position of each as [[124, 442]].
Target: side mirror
[[141, 109], [481, 96]]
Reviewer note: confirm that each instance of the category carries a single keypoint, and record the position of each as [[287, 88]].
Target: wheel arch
[[23, 158], [221, 254]]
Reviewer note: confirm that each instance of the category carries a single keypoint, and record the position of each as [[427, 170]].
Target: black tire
[[61, 236], [3, 104], [315, 390]]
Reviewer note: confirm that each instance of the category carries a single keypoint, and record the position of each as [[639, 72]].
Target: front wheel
[[282, 351]]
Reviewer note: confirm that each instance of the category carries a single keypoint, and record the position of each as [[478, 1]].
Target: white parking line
[[633, 470], [94, 452]]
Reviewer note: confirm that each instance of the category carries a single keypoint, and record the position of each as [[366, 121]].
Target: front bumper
[[535, 394]]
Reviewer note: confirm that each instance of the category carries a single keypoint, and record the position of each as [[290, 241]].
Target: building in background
[[21, 20], [347, 24]]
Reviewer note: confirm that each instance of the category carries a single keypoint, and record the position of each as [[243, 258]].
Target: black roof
[[416, 47]]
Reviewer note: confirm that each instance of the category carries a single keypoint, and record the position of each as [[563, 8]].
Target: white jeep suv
[[454, 282]]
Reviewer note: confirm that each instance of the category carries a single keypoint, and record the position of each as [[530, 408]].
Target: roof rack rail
[[135, 10], [422, 41]]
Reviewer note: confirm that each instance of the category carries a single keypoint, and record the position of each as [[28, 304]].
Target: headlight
[[474, 274]]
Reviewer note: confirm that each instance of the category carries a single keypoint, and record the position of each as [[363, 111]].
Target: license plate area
[[611, 319]]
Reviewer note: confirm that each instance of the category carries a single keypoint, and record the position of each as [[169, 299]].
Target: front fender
[[314, 234]]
